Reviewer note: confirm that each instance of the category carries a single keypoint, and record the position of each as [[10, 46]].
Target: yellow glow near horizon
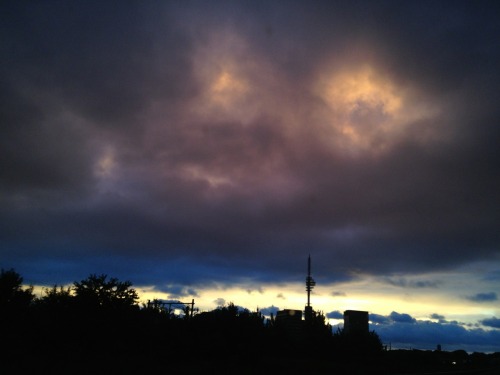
[[446, 295], [367, 295], [420, 304]]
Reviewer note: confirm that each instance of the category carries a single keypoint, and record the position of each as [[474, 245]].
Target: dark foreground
[[267, 360], [97, 327]]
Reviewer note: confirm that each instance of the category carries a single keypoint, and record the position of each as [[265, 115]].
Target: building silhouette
[[289, 316], [290, 322], [356, 321]]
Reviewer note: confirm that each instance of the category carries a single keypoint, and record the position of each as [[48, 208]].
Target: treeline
[[98, 325]]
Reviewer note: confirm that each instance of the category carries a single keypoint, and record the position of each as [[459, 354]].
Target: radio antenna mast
[[310, 283]]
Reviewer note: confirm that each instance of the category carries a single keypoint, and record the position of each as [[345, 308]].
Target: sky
[[203, 150]]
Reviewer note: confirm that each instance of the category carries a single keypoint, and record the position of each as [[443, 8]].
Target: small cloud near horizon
[[492, 322], [338, 294], [483, 297]]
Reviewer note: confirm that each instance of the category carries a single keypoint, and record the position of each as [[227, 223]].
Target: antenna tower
[[310, 283]]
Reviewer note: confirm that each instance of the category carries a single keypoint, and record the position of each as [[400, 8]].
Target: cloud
[[337, 294], [401, 318], [483, 297], [220, 302], [404, 282], [440, 318], [178, 291], [183, 143], [493, 275], [437, 316], [379, 319], [491, 322], [335, 315], [268, 311], [425, 334]]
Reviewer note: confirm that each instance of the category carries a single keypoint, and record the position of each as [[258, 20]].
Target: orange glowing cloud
[[367, 111]]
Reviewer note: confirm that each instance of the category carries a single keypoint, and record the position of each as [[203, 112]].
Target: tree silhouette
[[12, 294], [16, 322], [98, 292], [357, 343], [56, 299]]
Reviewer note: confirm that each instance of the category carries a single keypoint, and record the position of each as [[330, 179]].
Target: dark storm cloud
[[186, 143], [75, 71]]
